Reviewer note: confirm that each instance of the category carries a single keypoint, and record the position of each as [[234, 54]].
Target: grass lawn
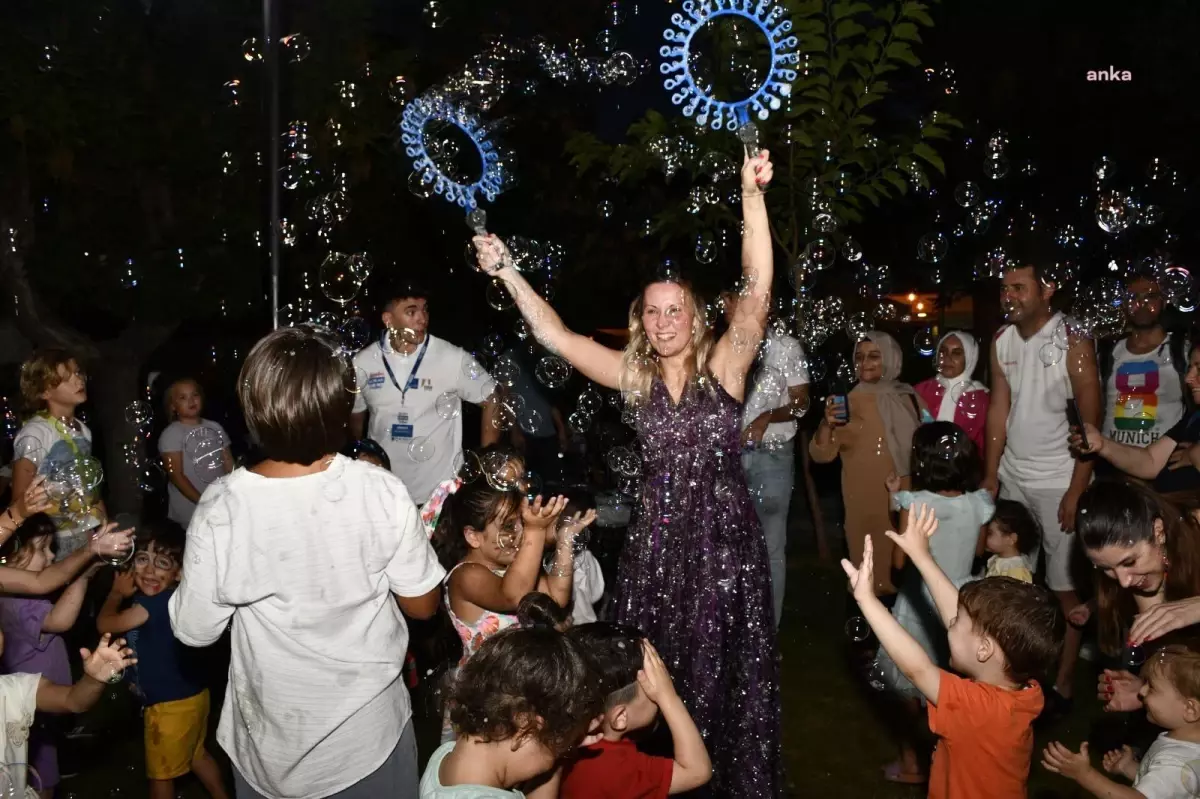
[[833, 744]]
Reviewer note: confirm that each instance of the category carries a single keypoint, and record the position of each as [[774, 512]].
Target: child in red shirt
[[637, 686], [1002, 633]]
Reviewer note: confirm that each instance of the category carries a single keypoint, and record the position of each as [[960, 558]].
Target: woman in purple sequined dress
[[694, 575]]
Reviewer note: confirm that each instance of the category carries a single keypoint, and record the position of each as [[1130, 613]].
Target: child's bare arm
[[111, 618], [919, 526], [109, 659], [560, 582], [693, 768], [904, 650], [898, 556], [66, 610]]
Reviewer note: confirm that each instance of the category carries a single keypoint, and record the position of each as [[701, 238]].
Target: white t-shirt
[[1144, 395], [396, 423], [201, 463], [306, 567], [1035, 452], [18, 703], [40, 443], [785, 358], [1170, 770], [432, 788]]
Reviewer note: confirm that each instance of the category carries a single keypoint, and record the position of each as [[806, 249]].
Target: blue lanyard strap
[[416, 366]]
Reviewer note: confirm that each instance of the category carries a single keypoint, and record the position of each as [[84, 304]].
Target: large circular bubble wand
[[771, 20], [414, 127]]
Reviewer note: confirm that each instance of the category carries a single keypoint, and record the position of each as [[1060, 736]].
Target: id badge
[[401, 431]]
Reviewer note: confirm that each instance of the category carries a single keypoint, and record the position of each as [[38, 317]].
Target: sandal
[[893, 772]]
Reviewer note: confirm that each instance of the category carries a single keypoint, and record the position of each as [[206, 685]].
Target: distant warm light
[[921, 315], [920, 306], [912, 297]]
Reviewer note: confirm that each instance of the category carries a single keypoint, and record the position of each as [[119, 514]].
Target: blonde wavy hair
[[639, 361]]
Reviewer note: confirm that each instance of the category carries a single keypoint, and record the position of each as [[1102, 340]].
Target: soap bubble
[[435, 14], [605, 209], [967, 194], [448, 405], [858, 324], [251, 50], [624, 462], [399, 91], [47, 59], [1112, 212], [1104, 168], [338, 281], [420, 187], [821, 252], [1050, 354], [996, 166], [857, 629], [506, 372], [232, 92], [876, 677], [590, 401], [530, 420], [851, 250], [421, 449], [1132, 657], [354, 333], [825, 223], [205, 448], [933, 247], [579, 422], [471, 368], [296, 46], [925, 342], [553, 372], [139, 414], [706, 248]]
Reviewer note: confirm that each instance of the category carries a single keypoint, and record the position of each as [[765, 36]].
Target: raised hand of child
[[538, 515], [123, 585], [572, 526], [1061, 760], [1119, 691], [35, 499], [109, 541], [892, 483], [109, 661], [1121, 761], [654, 677], [862, 579], [922, 524]]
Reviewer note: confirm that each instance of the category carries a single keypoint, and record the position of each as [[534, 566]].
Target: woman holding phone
[[871, 429]]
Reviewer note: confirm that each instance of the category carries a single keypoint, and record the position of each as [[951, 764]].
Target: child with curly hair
[[526, 699]]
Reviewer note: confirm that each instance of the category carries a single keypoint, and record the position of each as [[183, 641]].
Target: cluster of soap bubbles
[[341, 276], [328, 210], [298, 170], [572, 63]]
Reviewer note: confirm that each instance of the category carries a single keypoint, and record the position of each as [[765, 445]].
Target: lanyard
[[63, 431], [415, 367]]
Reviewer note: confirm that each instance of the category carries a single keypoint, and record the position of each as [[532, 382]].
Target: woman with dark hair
[[1146, 552], [694, 573], [946, 470]]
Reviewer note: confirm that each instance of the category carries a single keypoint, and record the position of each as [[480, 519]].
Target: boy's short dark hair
[[168, 538], [1025, 620], [615, 652], [1013, 517], [405, 291], [39, 374], [297, 394]]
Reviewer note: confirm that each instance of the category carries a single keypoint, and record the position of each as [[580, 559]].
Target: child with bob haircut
[[1168, 770], [312, 556], [527, 698], [1003, 634], [1012, 539], [637, 686], [195, 450]]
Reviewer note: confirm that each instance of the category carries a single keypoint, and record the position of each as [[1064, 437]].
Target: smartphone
[[1076, 421], [841, 407]]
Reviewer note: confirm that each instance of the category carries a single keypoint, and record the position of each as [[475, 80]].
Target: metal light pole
[[271, 58]]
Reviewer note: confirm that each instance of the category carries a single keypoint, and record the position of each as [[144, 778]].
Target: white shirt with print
[[40, 443], [1170, 770], [784, 357]]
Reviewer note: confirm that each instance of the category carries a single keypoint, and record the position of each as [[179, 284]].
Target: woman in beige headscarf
[[876, 442]]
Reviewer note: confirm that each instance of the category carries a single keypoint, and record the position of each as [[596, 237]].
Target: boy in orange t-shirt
[[1002, 633]]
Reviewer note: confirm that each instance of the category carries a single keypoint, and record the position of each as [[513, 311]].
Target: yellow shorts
[[175, 733]]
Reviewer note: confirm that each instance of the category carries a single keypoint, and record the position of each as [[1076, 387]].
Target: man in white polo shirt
[[1036, 368], [415, 384]]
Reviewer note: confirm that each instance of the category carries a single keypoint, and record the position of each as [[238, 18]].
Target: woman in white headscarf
[[875, 442], [951, 394]]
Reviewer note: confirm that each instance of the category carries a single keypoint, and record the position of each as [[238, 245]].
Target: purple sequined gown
[[694, 576]]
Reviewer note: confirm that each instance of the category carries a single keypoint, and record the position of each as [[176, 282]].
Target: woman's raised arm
[[597, 362], [735, 352]]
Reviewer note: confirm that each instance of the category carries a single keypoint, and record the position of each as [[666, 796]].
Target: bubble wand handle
[[477, 221], [748, 135]]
